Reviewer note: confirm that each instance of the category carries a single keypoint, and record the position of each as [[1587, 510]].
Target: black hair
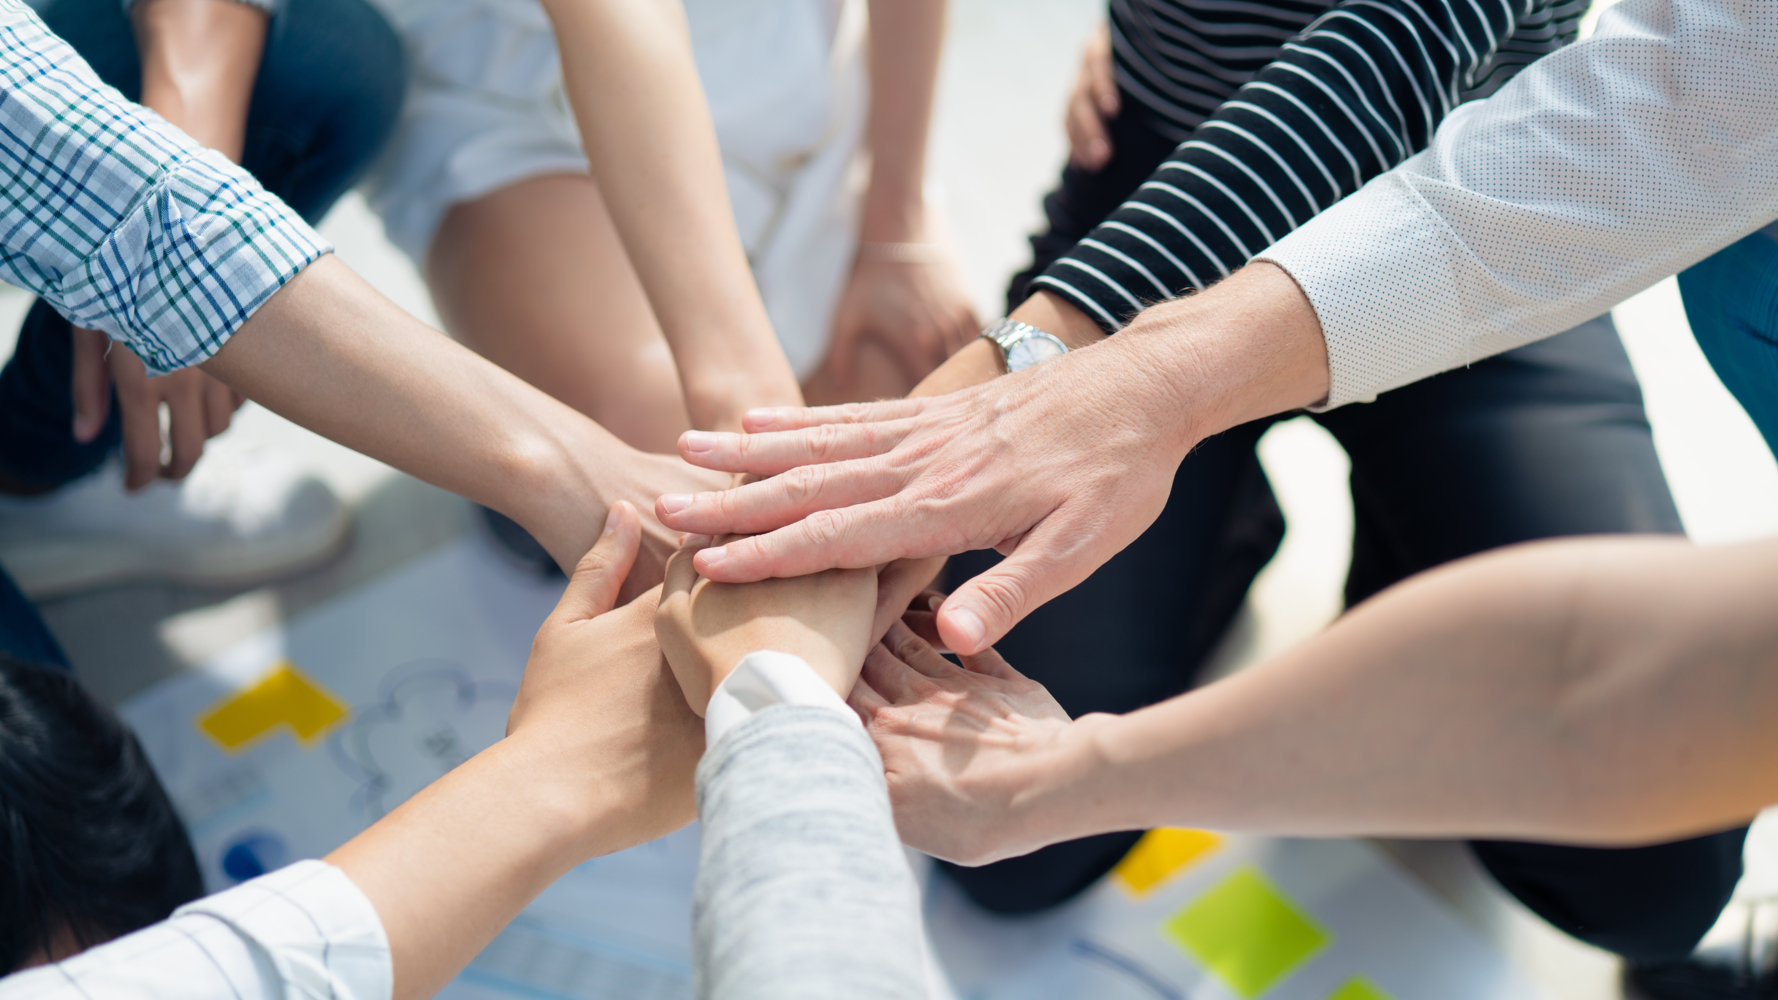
[[90, 846]]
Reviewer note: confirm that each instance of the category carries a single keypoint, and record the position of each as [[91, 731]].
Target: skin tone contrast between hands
[[1059, 466], [1596, 691]]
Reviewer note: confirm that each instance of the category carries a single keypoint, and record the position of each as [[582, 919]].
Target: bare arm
[[330, 353], [646, 128], [1605, 691], [598, 757]]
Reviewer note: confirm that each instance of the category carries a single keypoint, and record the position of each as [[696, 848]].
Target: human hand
[[598, 695], [1055, 466], [1058, 466], [973, 756], [706, 628], [646, 476], [198, 408], [1094, 102], [917, 309]]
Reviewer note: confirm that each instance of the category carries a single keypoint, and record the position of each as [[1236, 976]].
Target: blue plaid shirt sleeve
[[119, 220]]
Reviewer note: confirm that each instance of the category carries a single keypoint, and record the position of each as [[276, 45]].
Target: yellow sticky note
[[1359, 988], [284, 697], [1160, 855], [1247, 932]]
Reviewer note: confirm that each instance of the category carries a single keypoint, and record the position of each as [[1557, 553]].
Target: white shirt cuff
[[763, 679]]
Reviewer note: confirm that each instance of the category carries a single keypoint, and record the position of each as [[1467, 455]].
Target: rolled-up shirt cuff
[[763, 679]]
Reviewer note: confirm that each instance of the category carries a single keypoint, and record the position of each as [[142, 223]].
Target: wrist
[[1061, 796], [1247, 348], [894, 212]]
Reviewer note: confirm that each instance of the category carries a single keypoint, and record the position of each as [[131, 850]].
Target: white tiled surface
[[998, 144]]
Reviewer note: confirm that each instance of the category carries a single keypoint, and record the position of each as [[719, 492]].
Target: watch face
[[1037, 348]]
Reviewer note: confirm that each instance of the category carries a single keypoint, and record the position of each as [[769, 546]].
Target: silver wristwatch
[[1023, 345]]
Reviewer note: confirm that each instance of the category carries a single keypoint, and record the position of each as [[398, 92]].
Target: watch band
[[1007, 332]]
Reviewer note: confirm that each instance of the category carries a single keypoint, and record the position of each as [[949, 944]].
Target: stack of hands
[[618, 691]]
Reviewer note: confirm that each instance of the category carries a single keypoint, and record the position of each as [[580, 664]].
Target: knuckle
[[825, 527]]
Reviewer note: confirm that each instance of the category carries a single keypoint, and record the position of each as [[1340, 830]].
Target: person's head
[[90, 847]]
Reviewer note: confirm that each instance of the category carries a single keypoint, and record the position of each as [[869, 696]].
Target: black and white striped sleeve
[[1360, 90]]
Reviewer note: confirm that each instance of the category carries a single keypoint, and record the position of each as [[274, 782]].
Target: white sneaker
[[245, 515]]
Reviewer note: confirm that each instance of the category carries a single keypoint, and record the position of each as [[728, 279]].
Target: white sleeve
[[1599, 170], [763, 679], [305, 931]]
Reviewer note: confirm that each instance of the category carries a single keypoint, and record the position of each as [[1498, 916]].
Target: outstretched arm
[[598, 757], [636, 95], [330, 353], [1597, 691]]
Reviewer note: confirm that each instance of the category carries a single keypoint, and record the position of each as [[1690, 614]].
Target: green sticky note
[[1359, 988], [1247, 932]]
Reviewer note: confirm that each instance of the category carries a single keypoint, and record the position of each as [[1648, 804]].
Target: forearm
[[330, 353], [457, 862], [199, 60], [1599, 691], [906, 38], [647, 132]]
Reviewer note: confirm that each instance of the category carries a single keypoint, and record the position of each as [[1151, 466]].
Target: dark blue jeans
[[1544, 441], [329, 89]]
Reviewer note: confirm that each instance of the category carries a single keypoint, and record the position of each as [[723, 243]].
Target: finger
[[91, 384], [925, 625], [592, 590], [897, 585], [188, 427], [865, 700], [768, 454], [790, 418], [849, 537], [1089, 145], [982, 610], [892, 680], [681, 575], [916, 350], [990, 662], [1101, 74], [220, 404], [782, 500], [139, 410], [917, 653]]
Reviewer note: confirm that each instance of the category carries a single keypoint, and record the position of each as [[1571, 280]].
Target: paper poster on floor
[[293, 741]]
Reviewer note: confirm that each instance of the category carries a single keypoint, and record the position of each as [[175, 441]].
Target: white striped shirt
[[1285, 106], [304, 932]]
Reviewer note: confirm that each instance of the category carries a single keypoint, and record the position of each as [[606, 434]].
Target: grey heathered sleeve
[[803, 890]]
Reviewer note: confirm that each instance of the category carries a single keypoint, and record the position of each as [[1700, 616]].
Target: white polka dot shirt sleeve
[[304, 932], [1596, 172]]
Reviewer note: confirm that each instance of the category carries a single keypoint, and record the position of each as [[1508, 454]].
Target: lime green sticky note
[[1247, 932], [1359, 988]]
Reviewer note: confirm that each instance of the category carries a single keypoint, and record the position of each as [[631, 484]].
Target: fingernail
[[763, 417], [84, 430], [697, 441], [933, 602], [966, 622], [1097, 149], [714, 556], [673, 503], [610, 521]]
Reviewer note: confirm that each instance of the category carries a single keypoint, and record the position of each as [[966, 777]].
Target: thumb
[[987, 606], [592, 590], [90, 385]]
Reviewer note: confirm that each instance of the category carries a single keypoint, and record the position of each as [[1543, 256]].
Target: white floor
[[998, 146]]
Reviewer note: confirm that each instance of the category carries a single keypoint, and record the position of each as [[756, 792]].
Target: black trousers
[[1547, 440]]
